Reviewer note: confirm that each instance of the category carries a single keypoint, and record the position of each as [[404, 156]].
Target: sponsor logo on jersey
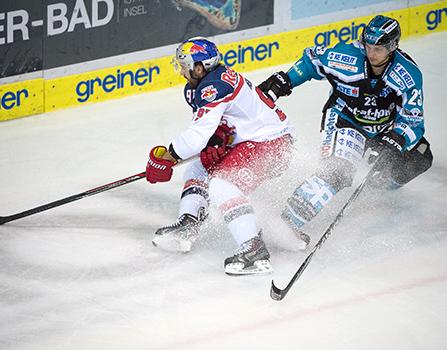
[[328, 136], [403, 73], [348, 90], [385, 91], [413, 116], [208, 93], [343, 66], [397, 80], [373, 114], [340, 57]]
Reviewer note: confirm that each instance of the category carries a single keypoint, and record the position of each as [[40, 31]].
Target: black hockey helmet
[[382, 30]]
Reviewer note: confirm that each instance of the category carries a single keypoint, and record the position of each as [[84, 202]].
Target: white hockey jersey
[[224, 96]]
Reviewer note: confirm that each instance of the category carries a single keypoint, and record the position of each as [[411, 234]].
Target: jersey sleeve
[[406, 79], [308, 66], [189, 94], [211, 104]]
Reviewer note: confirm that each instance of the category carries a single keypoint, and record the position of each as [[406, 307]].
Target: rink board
[[21, 99], [45, 95]]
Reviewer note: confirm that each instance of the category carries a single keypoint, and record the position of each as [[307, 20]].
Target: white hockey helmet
[[195, 50]]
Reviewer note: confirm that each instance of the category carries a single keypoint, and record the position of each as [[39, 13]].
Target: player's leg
[[342, 148], [193, 210], [241, 171], [401, 168], [252, 256]]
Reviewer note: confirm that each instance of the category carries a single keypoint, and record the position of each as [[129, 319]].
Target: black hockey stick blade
[[276, 293], [279, 294]]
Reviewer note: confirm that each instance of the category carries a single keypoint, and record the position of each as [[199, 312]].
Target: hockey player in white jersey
[[376, 102], [243, 139]]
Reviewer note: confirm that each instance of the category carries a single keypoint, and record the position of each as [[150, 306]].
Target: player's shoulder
[[404, 72], [344, 58], [214, 86]]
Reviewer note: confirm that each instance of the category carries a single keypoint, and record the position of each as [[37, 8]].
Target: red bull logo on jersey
[[209, 93]]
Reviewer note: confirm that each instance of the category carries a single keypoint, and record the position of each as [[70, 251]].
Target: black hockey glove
[[277, 85], [390, 144], [392, 140]]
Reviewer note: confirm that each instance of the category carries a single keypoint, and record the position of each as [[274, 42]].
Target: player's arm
[[410, 119], [409, 123], [187, 144], [190, 142], [306, 68]]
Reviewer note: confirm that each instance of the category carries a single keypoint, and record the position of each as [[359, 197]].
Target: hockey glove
[[392, 140], [157, 168], [277, 85], [391, 144], [223, 136], [212, 155]]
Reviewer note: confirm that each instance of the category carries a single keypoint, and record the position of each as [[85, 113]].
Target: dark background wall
[[55, 33]]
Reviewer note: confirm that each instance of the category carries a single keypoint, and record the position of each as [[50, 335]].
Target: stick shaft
[[88, 193], [279, 294]]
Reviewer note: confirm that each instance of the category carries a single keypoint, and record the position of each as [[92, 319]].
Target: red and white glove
[[157, 168], [223, 136], [212, 155], [216, 148]]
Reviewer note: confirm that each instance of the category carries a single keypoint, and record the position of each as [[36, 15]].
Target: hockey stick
[[75, 197], [88, 193], [279, 294]]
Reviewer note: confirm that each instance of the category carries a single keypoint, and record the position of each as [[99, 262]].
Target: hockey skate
[[303, 238], [180, 236], [251, 258]]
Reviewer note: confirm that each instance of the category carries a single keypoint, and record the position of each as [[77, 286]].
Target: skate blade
[[303, 240], [260, 267], [172, 244]]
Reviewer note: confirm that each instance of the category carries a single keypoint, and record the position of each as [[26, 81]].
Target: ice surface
[[85, 276]]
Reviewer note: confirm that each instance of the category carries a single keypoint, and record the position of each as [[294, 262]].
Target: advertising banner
[[21, 99], [21, 32], [38, 95], [304, 9], [428, 18], [85, 30]]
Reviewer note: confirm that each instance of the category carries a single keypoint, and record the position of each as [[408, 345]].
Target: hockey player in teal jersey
[[376, 102]]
